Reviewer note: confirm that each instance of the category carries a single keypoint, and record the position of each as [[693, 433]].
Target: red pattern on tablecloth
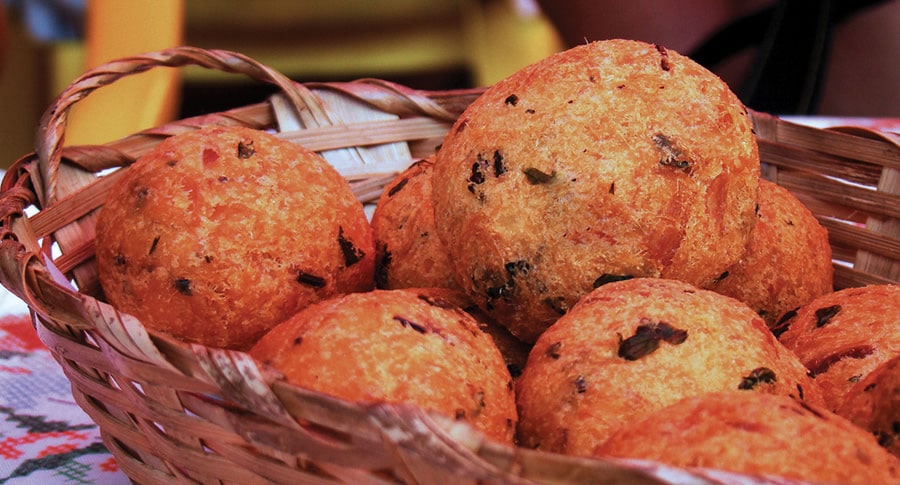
[[44, 435], [19, 334]]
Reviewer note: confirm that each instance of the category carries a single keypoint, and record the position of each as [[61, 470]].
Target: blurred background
[[828, 57], [439, 44]]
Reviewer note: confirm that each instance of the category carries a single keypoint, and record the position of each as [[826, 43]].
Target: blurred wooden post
[[116, 29]]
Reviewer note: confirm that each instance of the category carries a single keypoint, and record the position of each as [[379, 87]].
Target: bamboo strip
[[836, 143], [830, 209], [845, 277], [74, 205], [843, 254], [870, 201], [69, 260], [875, 263], [787, 156], [368, 190], [866, 239], [366, 133]]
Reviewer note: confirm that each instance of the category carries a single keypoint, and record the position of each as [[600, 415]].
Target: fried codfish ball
[[632, 347], [409, 253], [843, 336], [216, 235], [513, 350], [396, 346], [873, 404], [756, 434], [788, 258], [613, 158]]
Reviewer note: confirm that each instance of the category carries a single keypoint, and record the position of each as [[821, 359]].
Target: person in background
[[825, 57], [50, 20]]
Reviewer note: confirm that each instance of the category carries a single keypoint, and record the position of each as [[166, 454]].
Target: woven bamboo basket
[[175, 412]]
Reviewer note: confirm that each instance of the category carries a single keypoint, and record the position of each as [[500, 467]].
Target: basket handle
[[51, 131]]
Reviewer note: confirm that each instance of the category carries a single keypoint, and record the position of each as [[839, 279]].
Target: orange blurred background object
[[138, 102]]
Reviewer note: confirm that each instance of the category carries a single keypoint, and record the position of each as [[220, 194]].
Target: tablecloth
[[44, 436]]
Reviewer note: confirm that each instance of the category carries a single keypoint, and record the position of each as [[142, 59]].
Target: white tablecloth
[[44, 436]]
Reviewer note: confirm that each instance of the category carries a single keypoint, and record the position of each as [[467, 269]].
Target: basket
[[175, 412]]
